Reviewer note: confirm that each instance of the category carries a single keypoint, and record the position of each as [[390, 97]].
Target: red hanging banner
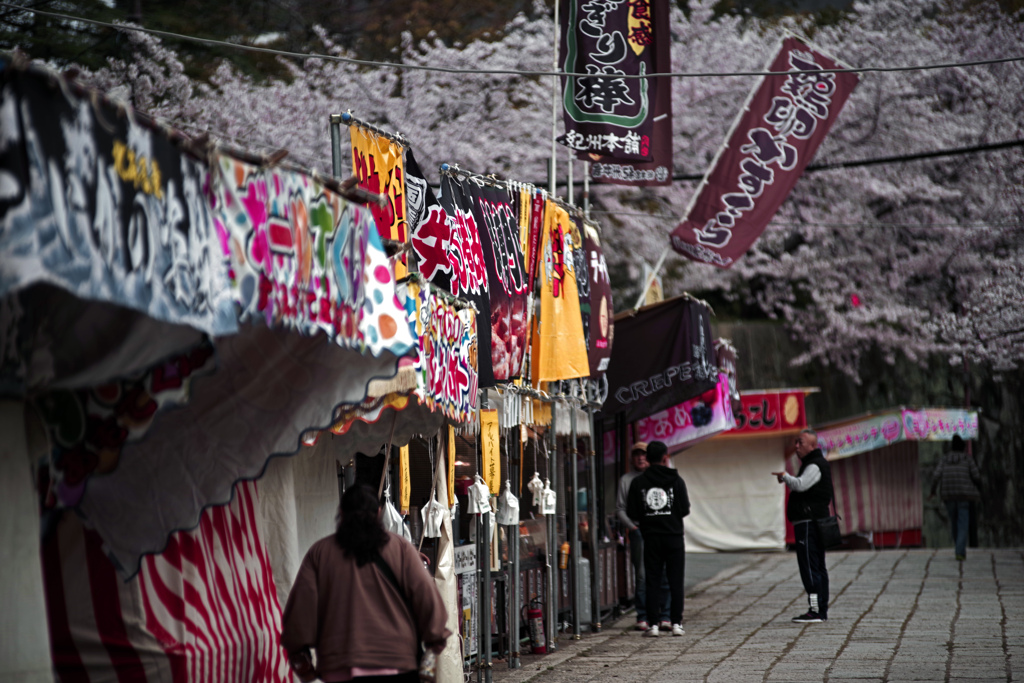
[[771, 143]]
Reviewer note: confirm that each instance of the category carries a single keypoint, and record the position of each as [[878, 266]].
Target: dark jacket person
[[810, 492], [658, 501]]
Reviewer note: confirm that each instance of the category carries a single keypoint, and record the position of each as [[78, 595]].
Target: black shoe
[[809, 618]]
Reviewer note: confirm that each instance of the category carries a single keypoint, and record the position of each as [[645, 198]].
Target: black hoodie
[[657, 500]]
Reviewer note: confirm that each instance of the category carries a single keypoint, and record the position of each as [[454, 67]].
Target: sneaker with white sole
[[652, 632], [665, 625], [677, 630], [642, 625], [809, 618]]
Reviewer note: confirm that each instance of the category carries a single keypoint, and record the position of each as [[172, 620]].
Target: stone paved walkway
[[896, 615]]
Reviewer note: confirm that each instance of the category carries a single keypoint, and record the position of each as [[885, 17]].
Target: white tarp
[[735, 502]]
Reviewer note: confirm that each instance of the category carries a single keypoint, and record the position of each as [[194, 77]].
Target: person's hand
[[302, 665], [778, 476]]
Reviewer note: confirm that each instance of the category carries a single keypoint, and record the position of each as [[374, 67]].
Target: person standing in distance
[[957, 479], [658, 500], [638, 458], [810, 492]]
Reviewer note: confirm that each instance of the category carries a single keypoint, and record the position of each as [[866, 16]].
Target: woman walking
[[363, 601]]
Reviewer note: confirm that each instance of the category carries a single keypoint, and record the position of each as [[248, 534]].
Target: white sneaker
[[652, 632], [677, 630]]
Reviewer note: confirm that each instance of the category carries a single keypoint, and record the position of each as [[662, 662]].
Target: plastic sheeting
[[735, 503]]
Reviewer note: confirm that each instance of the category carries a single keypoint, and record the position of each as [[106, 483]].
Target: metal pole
[[586, 192], [554, 106], [515, 464], [485, 521], [574, 530], [336, 144], [595, 551], [570, 191], [553, 544]]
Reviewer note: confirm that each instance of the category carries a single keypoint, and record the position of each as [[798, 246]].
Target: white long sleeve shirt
[[810, 477]]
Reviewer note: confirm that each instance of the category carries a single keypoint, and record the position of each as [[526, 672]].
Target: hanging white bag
[[479, 497], [392, 520], [548, 499], [508, 507], [536, 487]]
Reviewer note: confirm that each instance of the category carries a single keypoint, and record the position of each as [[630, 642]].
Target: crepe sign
[[601, 325], [691, 421], [657, 171], [302, 257], [765, 413], [605, 114], [104, 208], [377, 162], [773, 139], [559, 349], [878, 431], [663, 355], [496, 214]]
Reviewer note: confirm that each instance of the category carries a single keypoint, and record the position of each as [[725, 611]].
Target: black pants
[[810, 557], [664, 553]]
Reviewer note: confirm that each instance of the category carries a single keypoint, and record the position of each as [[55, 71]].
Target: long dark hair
[[360, 533]]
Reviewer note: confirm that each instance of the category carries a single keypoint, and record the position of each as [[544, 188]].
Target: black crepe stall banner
[[496, 213], [663, 355], [604, 115]]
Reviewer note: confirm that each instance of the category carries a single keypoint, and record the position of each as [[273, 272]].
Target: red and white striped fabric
[[879, 491], [203, 610]]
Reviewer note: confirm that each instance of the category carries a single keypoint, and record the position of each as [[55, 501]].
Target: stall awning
[[663, 355], [876, 430]]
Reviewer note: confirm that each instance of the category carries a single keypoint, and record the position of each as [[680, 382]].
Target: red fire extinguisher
[[535, 620]]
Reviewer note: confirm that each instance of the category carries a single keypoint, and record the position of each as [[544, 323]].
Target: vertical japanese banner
[[559, 350], [657, 171], [377, 162], [602, 330], [403, 473], [490, 450], [606, 115], [495, 213], [772, 141], [451, 465]]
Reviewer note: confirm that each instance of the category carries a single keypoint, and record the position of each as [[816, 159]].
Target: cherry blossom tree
[[913, 259]]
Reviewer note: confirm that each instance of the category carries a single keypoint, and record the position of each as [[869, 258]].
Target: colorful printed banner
[[377, 162], [302, 257], [772, 141], [877, 431], [496, 215], [608, 116], [105, 208], [559, 350], [601, 326], [452, 356], [765, 413], [490, 450], [690, 421]]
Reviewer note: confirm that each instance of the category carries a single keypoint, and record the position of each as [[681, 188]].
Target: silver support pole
[[516, 464], [485, 614], [586, 189], [552, 521], [555, 89], [336, 144], [574, 528], [570, 191], [595, 563]]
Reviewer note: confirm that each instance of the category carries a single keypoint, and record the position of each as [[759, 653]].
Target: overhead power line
[[491, 72]]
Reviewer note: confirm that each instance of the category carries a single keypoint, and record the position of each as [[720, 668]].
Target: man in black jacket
[[810, 492], [658, 502]]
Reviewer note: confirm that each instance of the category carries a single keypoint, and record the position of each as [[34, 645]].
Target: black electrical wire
[[495, 72]]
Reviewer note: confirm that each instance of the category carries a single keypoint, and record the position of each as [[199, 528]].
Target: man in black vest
[[810, 492]]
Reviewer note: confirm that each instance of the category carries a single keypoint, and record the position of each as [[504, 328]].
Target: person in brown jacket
[[345, 606], [957, 479]]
